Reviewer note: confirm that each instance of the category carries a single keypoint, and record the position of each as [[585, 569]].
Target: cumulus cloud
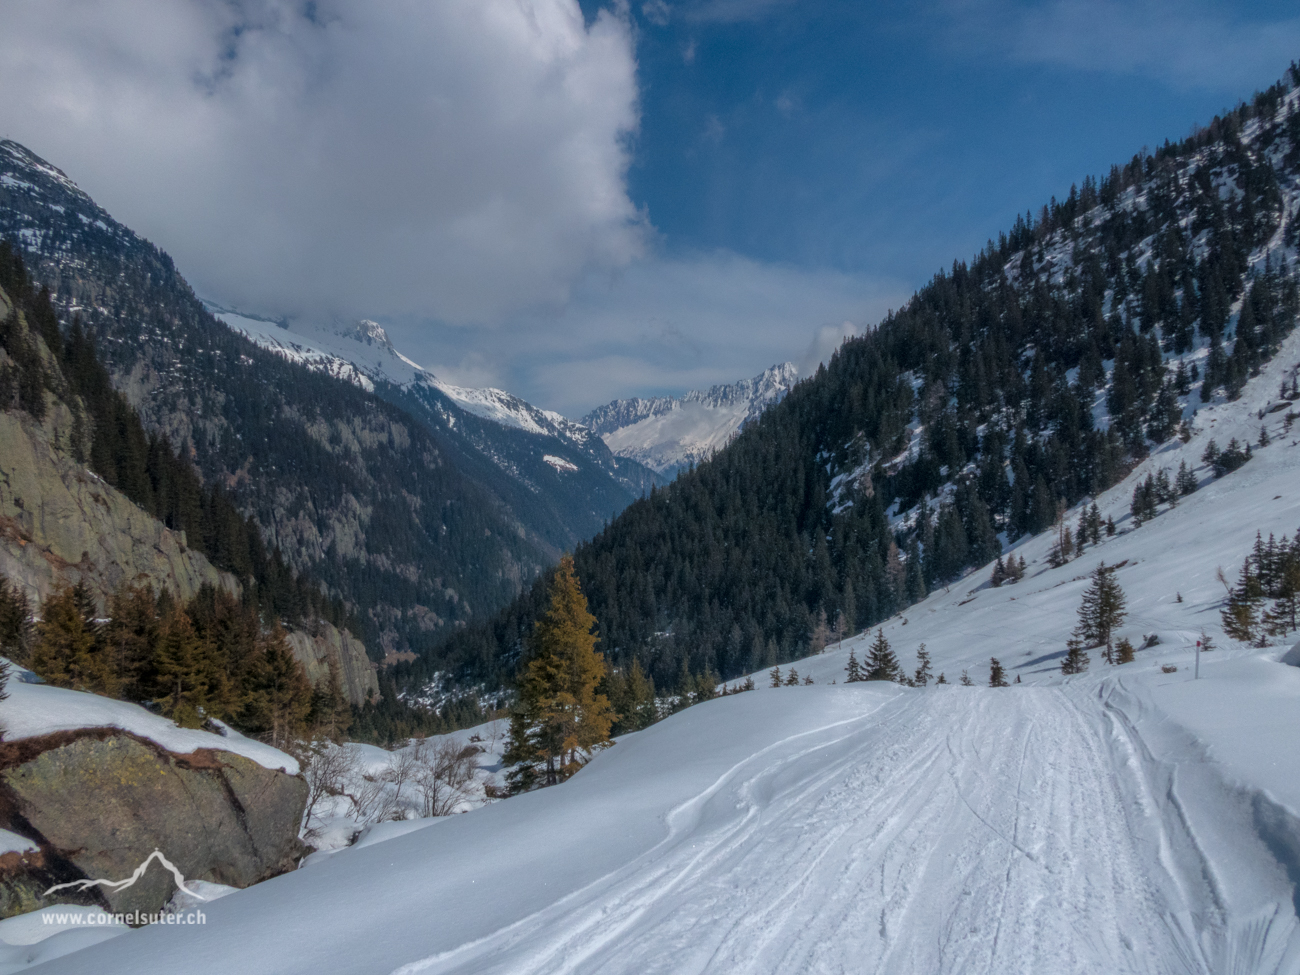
[[463, 159]]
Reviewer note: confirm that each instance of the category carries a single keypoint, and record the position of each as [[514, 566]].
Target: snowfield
[[1127, 820]]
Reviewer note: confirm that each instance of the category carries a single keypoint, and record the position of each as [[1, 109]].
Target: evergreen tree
[[280, 697], [1124, 653], [1076, 658], [965, 680], [881, 664], [775, 675], [185, 675], [66, 653], [941, 679], [15, 623], [1101, 611], [792, 679], [997, 674], [853, 670], [1241, 615], [1185, 482], [922, 676], [564, 718]]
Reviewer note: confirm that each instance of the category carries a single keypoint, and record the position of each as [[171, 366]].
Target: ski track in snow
[[952, 831]]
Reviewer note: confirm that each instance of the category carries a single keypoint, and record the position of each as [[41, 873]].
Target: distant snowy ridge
[[669, 432], [362, 353]]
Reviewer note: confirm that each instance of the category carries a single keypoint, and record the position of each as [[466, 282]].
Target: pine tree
[[881, 664], [1124, 653], [1101, 611], [965, 680], [997, 674], [15, 623], [563, 718], [1241, 615], [66, 653], [279, 694], [922, 676], [184, 672], [1076, 658]]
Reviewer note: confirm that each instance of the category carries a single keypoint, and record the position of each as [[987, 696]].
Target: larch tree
[[560, 719]]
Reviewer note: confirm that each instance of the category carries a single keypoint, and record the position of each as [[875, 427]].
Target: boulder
[[98, 802]]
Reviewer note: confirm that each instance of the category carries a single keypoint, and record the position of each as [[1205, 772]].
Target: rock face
[[98, 802], [61, 523], [356, 673]]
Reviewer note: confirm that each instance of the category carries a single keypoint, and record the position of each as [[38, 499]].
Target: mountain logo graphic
[[117, 885]]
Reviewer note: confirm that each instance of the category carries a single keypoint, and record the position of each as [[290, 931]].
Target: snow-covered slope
[[1130, 819], [668, 432]]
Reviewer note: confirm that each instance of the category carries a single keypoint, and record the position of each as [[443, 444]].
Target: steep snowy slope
[[1125, 820], [669, 432]]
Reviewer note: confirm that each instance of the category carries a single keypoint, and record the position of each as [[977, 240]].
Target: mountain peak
[[669, 432]]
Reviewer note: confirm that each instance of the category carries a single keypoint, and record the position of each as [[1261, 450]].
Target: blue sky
[[622, 198], [889, 138]]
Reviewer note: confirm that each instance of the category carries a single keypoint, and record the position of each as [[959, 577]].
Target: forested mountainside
[[1009, 387], [348, 487], [564, 480]]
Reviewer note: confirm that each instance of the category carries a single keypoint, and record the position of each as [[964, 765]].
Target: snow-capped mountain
[[669, 432], [361, 353]]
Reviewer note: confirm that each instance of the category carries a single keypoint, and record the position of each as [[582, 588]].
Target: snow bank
[[38, 709]]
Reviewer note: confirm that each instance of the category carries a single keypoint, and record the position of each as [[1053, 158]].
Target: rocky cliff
[[59, 523], [356, 672], [215, 815]]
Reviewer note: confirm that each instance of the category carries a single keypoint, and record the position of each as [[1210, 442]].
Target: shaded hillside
[[1009, 387], [346, 486]]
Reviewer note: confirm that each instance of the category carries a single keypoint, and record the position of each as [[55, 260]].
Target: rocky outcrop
[[356, 672], [59, 523], [98, 802]]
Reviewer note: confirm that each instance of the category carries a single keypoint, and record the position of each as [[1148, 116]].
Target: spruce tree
[[1124, 653], [853, 670], [922, 676], [1241, 615], [941, 679], [881, 664], [792, 679], [775, 675], [15, 623], [1101, 611], [1076, 658], [997, 674], [965, 680]]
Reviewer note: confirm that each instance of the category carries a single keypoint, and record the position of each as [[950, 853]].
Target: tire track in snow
[[958, 830]]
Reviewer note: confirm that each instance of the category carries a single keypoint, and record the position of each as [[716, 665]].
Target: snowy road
[[953, 831], [860, 828]]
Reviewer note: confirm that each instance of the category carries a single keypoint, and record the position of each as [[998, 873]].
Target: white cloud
[[461, 159], [663, 324]]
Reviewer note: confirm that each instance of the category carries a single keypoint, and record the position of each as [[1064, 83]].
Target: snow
[[666, 433], [559, 463], [52, 932], [38, 709], [1127, 819], [13, 843], [362, 354]]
